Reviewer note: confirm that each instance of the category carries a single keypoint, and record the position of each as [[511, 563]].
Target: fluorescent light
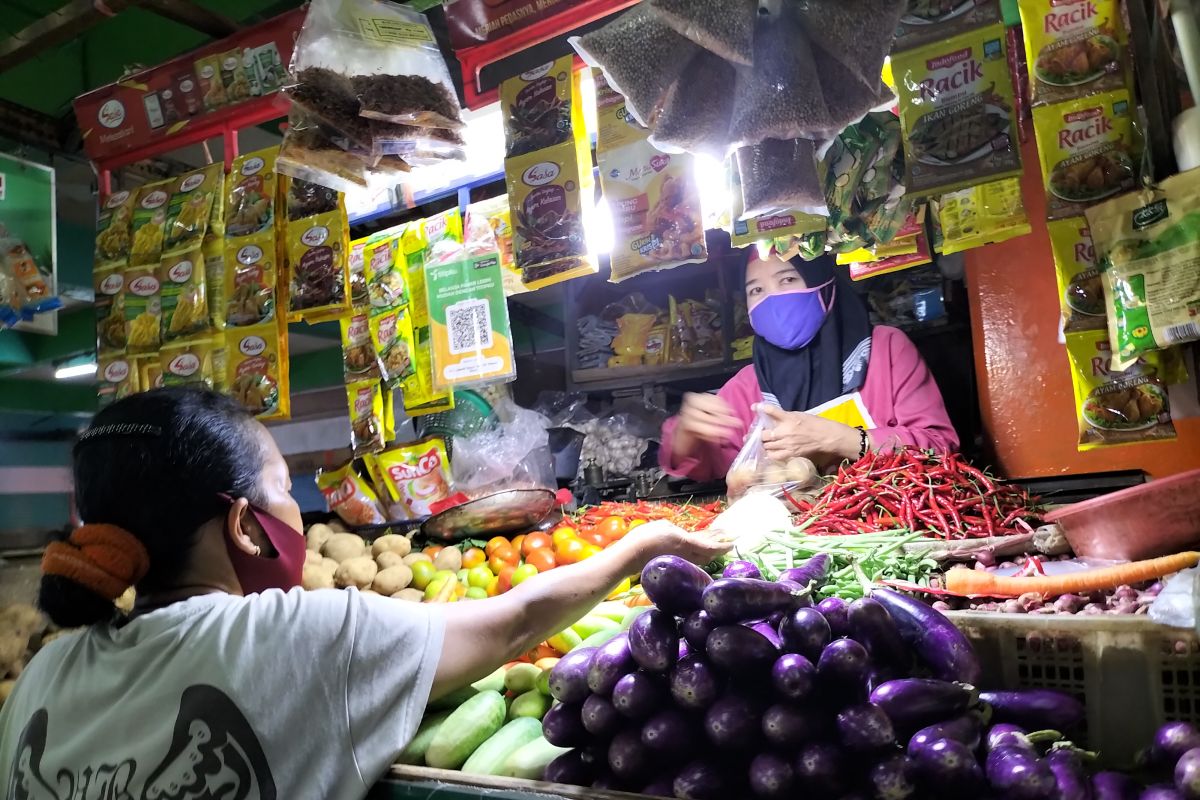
[[76, 371]]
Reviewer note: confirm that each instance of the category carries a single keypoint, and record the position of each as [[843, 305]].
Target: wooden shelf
[[602, 379]]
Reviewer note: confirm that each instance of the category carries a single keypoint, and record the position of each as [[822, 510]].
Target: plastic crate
[[1131, 673]]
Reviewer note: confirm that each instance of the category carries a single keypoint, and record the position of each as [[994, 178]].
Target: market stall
[[907, 622]]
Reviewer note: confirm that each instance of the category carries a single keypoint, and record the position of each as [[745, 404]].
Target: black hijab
[[834, 363]]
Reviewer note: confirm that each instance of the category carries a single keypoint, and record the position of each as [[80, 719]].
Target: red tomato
[[505, 579], [542, 558], [612, 528], [503, 557], [570, 551], [473, 557], [493, 543], [535, 541], [593, 536], [517, 543]]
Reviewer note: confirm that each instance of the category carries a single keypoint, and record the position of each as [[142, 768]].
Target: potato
[[313, 558], [329, 565], [449, 558], [801, 470], [316, 577], [318, 535], [412, 558], [393, 579], [358, 572], [342, 547], [337, 526], [388, 559], [6, 688], [125, 601], [411, 595], [391, 543]]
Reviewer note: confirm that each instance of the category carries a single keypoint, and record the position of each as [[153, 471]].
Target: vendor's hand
[[662, 538], [816, 438], [705, 418]]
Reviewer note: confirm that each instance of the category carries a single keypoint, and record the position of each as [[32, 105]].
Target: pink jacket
[[899, 394]]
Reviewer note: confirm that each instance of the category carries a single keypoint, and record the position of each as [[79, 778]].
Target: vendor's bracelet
[[863, 440]]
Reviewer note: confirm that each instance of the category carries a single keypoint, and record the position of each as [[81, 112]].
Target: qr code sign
[[470, 324]]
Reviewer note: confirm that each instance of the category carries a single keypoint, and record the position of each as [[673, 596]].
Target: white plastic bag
[[753, 469], [515, 454]]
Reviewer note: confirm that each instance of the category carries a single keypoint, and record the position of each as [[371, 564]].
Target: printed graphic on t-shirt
[[214, 755]]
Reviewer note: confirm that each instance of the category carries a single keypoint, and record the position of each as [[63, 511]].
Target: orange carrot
[[978, 582], [636, 600]]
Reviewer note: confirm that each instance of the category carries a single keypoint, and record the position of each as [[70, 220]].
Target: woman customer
[[832, 386], [228, 680]]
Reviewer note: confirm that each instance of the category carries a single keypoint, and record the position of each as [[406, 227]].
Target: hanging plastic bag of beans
[[641, 56], [780, 175], [857, 33], [780, 96], [726, 27], [696, 115]]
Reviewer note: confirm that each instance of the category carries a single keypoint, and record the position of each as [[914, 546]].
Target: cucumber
[[600, 637], [530, 760], [633, 614], [467, 727], [453, 700], [543, 682], [492, 683], [611, 609], [491, 755], [414, 754], [530, 704], [520, 678], [592, 624]]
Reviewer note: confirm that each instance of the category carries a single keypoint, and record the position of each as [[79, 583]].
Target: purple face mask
[[791, 320], [281, 571]]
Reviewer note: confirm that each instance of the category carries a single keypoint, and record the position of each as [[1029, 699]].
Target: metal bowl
[[494, 515]]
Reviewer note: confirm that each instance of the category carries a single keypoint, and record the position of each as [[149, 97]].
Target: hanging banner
[[473, 22], [164, 100]]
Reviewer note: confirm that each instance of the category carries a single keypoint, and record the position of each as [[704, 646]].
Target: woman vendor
[[831, 385], [228, 679]]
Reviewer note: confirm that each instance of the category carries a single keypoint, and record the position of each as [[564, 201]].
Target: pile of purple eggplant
[[741, 687]]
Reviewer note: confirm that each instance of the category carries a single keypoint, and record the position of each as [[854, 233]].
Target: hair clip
[[122, 429]]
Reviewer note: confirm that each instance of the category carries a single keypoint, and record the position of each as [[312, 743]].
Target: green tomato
[[476, 593], [423, 572], [462, 576], [479, 577], [523, 573]]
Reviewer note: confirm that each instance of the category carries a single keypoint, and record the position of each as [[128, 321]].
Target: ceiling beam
[[194, 16], [56, 28]]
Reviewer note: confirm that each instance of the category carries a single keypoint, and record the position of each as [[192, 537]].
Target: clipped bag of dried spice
[[541, 107], [698, 110], [780, 96], [725, 27], [641, 57], [389, 53], [857, 33]]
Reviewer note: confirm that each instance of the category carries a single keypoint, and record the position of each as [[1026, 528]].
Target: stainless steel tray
[[494, 515]]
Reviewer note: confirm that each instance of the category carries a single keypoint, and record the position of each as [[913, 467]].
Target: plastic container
[[1131, 673], [1154, 519]]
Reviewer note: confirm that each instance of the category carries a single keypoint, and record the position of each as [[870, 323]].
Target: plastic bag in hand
[[753, 469]]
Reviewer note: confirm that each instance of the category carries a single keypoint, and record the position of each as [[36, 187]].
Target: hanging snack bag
[[653, 196], [1119, 407], [350, 497], [305, 199], [845, 165], [318, 273], [1148, 243], [117, 378], [488, 228], [250, 193], [1073, 48], [150, 374], [213, 251], [470, 335], [443, 238], [392, 338], [360, 361], [384, 270], [1086, 148], [190, 208], [184, 299], [985, 214], [359, 298], [148, 224], [250, 276], [212, 89], [417, 475], [109, 286], [256, 369], [143, 309], [186, 363], [417, 243], [112, 229], [956, 108], [540, 107], [641, 56], [926, 21], [1080, 283], [366, 417]]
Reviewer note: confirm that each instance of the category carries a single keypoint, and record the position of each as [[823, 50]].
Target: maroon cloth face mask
[[262, 572]]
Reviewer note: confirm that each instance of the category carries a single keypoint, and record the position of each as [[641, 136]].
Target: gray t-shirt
[[277, 695]]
